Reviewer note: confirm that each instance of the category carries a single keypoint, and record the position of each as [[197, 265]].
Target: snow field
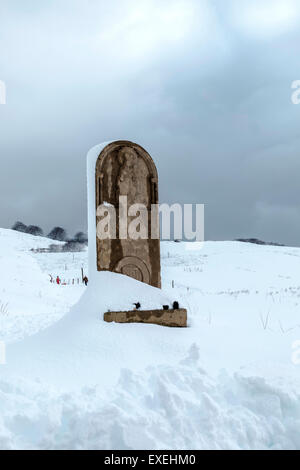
[[228, 381]]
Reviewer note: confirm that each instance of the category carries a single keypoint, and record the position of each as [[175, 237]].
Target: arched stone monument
[[125, 171]]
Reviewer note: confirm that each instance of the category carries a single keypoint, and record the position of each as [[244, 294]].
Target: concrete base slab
[[170, 318]]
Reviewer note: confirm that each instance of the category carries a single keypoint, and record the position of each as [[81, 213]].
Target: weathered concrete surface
[[171, 318], [123, 169]]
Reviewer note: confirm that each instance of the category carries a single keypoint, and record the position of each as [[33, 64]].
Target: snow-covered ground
[[28, 301], [229, 381]]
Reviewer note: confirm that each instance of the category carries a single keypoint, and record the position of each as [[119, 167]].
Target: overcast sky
[[204, 86]]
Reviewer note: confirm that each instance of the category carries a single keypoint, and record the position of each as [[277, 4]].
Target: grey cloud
[[211, 105]]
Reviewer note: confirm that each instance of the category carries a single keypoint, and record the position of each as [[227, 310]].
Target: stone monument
[[123, 195], [127, 180]]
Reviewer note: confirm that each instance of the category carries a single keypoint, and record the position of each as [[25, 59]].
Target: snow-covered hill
[[28, 301], [227, 381]]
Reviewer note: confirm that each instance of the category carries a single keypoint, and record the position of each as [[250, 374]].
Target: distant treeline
[[255, 241], [57, 234]]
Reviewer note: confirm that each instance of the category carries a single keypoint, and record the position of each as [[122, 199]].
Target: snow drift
[[165, 407], [226, 382]]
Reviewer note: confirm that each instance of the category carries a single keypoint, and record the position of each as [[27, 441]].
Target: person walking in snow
[[85, 280], [58, 280]]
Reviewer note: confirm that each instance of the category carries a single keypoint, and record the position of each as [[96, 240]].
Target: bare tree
[[19, 227], [58, 233], [34, 230]]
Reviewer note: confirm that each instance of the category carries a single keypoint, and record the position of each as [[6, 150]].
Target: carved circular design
[[134, 267]]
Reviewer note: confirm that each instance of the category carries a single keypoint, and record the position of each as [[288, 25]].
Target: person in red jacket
[[57, 280]]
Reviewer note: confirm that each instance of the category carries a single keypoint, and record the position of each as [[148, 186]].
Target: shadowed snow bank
[[163, 407]]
